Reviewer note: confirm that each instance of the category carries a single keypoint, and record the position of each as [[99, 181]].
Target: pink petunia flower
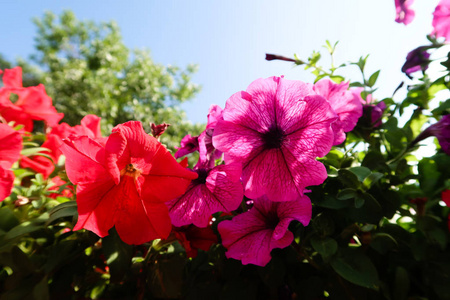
[[441, 20], [251, 236], [276, 129], [10, 147], [215, 189], [207, 152], [33, 103], [346, 105], [404, 14], [125, 183]]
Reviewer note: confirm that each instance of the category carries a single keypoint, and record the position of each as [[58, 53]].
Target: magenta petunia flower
[[276, 129], [441, 20], [441, 130], [251, 236], [216, 189], [189, 144], [404, 14], [346, 105]]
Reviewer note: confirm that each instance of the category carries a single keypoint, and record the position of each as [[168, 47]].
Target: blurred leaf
[[401, 284], [7, 219], [66, 209], [33, 151], [330, 202], [346, 194], [348, 178], [373, 79], [325, 246], [429, 175], [360, 172], [356, 267], [118, 255], [273, 273], [372, 179], [23, 228], [383, 242]]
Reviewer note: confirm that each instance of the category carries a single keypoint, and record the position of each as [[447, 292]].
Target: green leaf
[[66, 209], [360, 172], [118, 255], [354, 266], [373, 79], [372, 179], [346, 194], [383, 242], [443, 107], [429, 175], [348, 178], [359, 201], [401, 283], [273, 273], [33, 151], [21, 229], [7, 219], [325, 246], [330, 202]]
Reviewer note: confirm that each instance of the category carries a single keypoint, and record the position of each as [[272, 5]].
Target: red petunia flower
[[33, 103], [90, 126], [125, 183], [193, 238], [10, 146]]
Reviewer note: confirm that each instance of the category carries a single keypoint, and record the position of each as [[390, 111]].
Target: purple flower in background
[[216, 189], [372, 113], [404, 14], [347, 106], [189, 144], [416, 60], [251, 236], [276, 130], [441, 20], [441, 130]]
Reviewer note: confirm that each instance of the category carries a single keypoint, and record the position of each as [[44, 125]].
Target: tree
[[87, 69]]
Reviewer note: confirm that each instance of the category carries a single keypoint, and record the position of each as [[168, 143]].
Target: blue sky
[[229, 39]]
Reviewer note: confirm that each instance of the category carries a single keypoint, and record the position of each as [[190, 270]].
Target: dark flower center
[[272, 220], [273, 138], [202, 174]]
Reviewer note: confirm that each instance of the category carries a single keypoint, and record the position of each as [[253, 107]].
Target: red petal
[[10, 146], [13, 77], [6, 183]]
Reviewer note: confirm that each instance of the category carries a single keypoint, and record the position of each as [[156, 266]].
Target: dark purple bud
[[278, 57], [416, 60]]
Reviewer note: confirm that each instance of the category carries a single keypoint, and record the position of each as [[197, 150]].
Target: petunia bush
[[293, 190]]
